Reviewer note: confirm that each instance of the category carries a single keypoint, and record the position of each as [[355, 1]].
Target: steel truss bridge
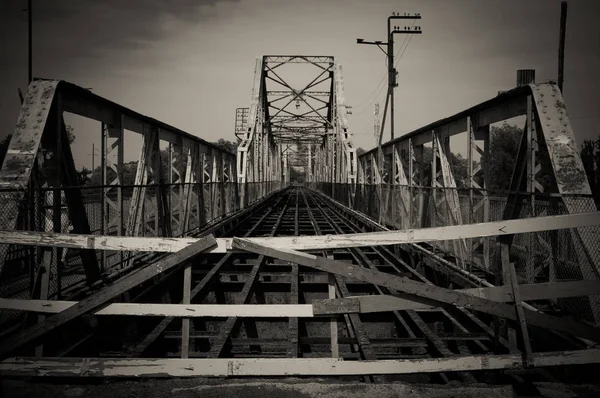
[[214, 264]]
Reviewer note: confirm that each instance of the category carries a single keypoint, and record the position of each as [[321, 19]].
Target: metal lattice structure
[[213, 264], [310, 113]]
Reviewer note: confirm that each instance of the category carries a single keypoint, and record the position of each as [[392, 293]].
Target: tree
[[503, 148], [83, 176], [460, 170], [360, 151], [47, 172], [297, 176], [228, 145]]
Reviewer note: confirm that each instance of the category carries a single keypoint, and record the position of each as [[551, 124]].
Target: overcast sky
[[190, 63]]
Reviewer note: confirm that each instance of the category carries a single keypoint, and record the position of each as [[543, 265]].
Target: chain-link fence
[[548, 256], [112, 211]]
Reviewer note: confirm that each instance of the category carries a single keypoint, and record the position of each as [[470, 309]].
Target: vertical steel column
[[532, 185], [309, 177], [413, 212], [474, 168], [114, 132]]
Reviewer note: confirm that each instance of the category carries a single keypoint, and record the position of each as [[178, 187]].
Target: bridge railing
[[550, 256], [211, 202]]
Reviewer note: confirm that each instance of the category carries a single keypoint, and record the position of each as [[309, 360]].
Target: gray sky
[[190, 63]]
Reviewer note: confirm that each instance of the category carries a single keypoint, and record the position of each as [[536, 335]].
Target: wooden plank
[[168, 310], [104, 295], [293, 323], [218, 344], [364, 343], [383, 303], [427, 294], [185, 322], [223, 367], [506, 278], [362, 304], [335, 348], [521, 318], [200, 288], [45, 279], [382, 238]]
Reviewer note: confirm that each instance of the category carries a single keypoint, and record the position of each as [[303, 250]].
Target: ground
[[293, 388]]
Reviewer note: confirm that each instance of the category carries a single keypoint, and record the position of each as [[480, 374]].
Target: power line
[[379, 87], [399, 58]]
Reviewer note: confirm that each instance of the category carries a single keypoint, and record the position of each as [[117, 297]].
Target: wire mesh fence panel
[[109, 213]]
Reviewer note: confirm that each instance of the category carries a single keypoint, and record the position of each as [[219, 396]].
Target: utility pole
[[93, 157], [561, 44], [392, 72], [376, 123], [30, 40]]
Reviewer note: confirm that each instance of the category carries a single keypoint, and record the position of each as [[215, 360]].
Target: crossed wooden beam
[[415, 295], [319, 242]]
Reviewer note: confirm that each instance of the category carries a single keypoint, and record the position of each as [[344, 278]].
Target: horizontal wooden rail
[[325, 242], [224, 367], [359, 304], [426, 294], [384, 303], [168, 310], [104, 295]]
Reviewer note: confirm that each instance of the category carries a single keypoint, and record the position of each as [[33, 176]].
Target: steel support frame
[[547, 119], [41, 115]]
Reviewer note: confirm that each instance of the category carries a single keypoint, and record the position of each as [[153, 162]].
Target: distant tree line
[[130, 168], [87, 178], [504, 145]]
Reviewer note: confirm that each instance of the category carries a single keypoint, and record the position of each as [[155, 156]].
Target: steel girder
[[156, 207], [419, 201], [310, 121]]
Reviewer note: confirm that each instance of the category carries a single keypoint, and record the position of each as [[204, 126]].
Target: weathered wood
[[496, 228], [383, 303], [364, 343], [293, 323], [185, 323], [200, 288], [335, 349], [167, 310], [514, 283], [104, 295], [223, 367], [44, 279], [506, 277], [427, 294], [218, 345]]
